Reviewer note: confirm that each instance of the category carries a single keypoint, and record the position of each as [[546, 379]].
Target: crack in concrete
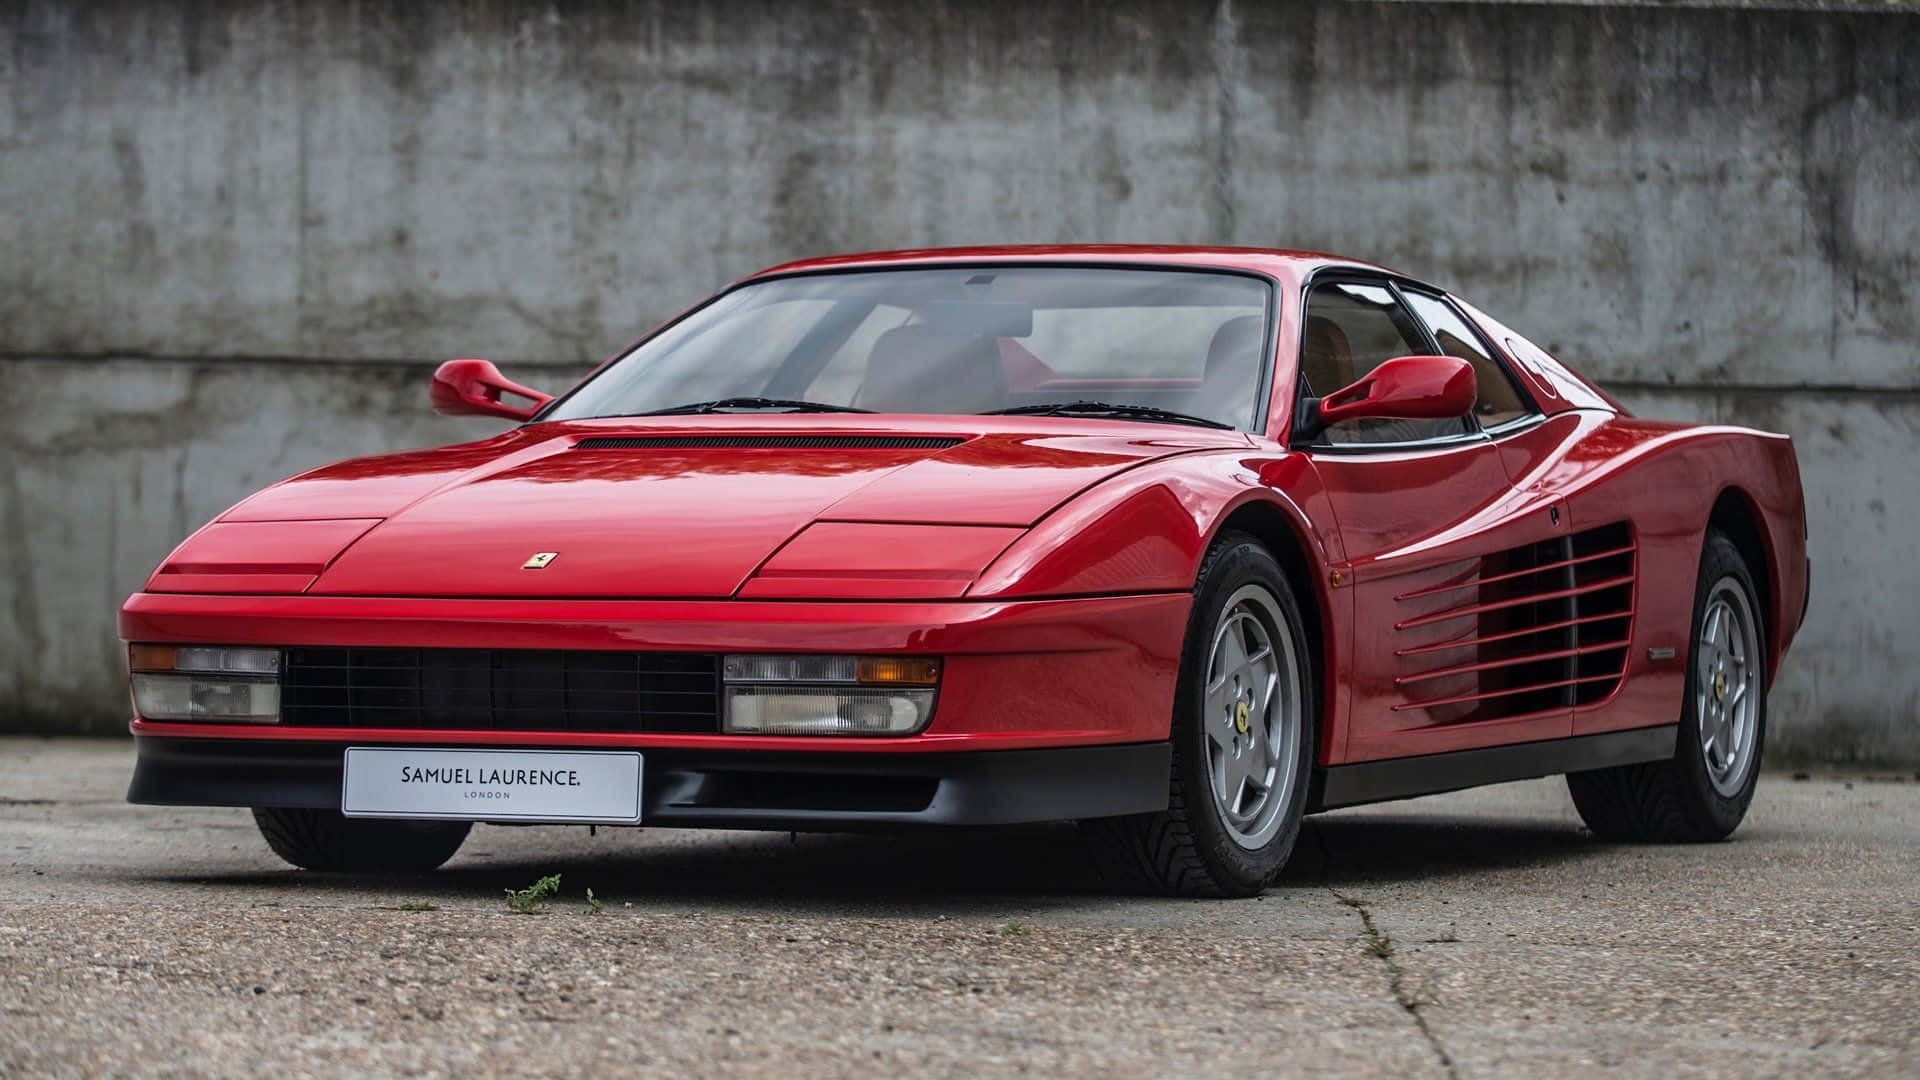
[[1380, 946]]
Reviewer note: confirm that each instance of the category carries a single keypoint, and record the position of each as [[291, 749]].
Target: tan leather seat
[[1325, 357], [913, 369], [1228, 387]]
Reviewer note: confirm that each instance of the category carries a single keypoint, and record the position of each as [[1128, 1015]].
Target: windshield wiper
[[723, 404], [1104, 408]]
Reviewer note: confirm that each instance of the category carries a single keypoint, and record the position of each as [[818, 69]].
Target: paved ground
[[1474, 934]]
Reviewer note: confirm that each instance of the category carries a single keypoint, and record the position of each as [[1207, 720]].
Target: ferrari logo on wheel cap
[[540, 560], [1240, 714]]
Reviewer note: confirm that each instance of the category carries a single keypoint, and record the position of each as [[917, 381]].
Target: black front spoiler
[[741, 789]]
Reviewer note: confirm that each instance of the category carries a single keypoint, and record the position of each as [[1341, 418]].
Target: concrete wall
[[237, 235]]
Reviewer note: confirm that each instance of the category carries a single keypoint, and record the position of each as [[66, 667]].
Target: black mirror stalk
[[1307, 425]]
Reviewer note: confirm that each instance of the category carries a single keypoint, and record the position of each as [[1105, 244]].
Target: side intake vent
[[769, 442], [1532, 629]]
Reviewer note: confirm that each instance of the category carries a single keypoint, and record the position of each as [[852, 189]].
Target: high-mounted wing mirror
[[473, 388], [1403, 388]]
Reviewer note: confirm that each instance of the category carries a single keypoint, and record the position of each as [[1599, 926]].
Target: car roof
[[1275, 262]]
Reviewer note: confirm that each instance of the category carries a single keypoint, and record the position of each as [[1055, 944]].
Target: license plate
[[587, 786]]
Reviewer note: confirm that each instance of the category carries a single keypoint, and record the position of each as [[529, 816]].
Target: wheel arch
[[1150, 528], [1736, 515], [1285, 538]]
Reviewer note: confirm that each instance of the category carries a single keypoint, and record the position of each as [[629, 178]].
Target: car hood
[[686, 510]]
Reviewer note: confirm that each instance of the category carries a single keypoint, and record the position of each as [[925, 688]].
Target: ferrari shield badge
[[540, 560]]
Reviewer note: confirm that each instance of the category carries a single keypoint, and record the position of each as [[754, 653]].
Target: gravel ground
[[1475, 934]]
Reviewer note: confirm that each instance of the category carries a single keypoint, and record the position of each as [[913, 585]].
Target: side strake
[[1541, 627]]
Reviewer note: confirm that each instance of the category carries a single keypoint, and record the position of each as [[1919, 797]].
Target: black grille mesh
[[500, 690], [768, 442]]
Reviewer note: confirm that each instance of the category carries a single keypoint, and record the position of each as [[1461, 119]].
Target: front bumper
[[732, 789], [1017, 675]]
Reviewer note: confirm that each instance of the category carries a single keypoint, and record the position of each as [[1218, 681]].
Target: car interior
[[986, 372], [907, 359]]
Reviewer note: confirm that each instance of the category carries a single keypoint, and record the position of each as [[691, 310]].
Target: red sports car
[[1179, 543]]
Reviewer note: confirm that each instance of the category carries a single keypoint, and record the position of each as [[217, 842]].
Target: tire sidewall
[[327, 840], [1720, 559], [1240, 560]]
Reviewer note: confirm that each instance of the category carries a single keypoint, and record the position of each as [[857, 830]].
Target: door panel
[[1447, 569], [1454, 576]]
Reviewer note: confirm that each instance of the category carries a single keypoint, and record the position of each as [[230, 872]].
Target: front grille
[[768, 442], [500, 690]]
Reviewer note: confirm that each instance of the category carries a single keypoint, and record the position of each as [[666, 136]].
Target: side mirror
[[1403, 388], [473, 388]]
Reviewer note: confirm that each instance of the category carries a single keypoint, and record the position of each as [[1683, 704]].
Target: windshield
[[957, 340]]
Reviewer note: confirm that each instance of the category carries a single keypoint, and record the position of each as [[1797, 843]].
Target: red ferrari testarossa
[[1179, 543]]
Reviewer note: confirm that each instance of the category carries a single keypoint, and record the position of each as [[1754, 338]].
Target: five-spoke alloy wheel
[[1252, 716], [1243, 734], [1726, 677], [1702, 792]]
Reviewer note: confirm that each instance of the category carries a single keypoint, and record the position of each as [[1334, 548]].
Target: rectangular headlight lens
[[206, 697], [851, 670], [205, 682], [828, 695], [826, 710], [210, 659], [753, 668]]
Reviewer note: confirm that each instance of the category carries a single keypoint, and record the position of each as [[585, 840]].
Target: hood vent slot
[[768, 442]]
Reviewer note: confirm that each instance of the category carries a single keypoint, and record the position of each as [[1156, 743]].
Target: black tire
[[1675, 801], [329, 840], [1186, 849]]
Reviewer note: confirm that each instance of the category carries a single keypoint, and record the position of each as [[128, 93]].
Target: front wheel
[[329, 840], [1243, 736], [1703, 791]]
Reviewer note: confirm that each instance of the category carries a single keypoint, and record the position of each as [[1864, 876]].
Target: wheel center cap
[[1720, 686], [1240, 714]]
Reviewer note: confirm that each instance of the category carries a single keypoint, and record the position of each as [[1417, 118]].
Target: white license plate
[[600, 786]]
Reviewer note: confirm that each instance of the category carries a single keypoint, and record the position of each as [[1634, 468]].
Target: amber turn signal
[[151, 657], [898, 671]]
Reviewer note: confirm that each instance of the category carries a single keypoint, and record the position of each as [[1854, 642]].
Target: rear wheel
[[1703, 791], [315, 839], [1243, 736]]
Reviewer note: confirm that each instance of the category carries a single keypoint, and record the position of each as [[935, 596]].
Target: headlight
[[196, 682], [828, 695]]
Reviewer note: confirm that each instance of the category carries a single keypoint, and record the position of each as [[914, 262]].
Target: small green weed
[[593, 903], [418, 905], [532, 900]]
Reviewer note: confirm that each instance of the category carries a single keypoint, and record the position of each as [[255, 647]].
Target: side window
[[1351, 329], [1500, 399]]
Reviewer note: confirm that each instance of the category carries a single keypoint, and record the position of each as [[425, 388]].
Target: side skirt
[[1403, 778]]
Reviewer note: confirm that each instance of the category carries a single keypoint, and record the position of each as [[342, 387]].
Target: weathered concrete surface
[[283, 213], [1480, 934]]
